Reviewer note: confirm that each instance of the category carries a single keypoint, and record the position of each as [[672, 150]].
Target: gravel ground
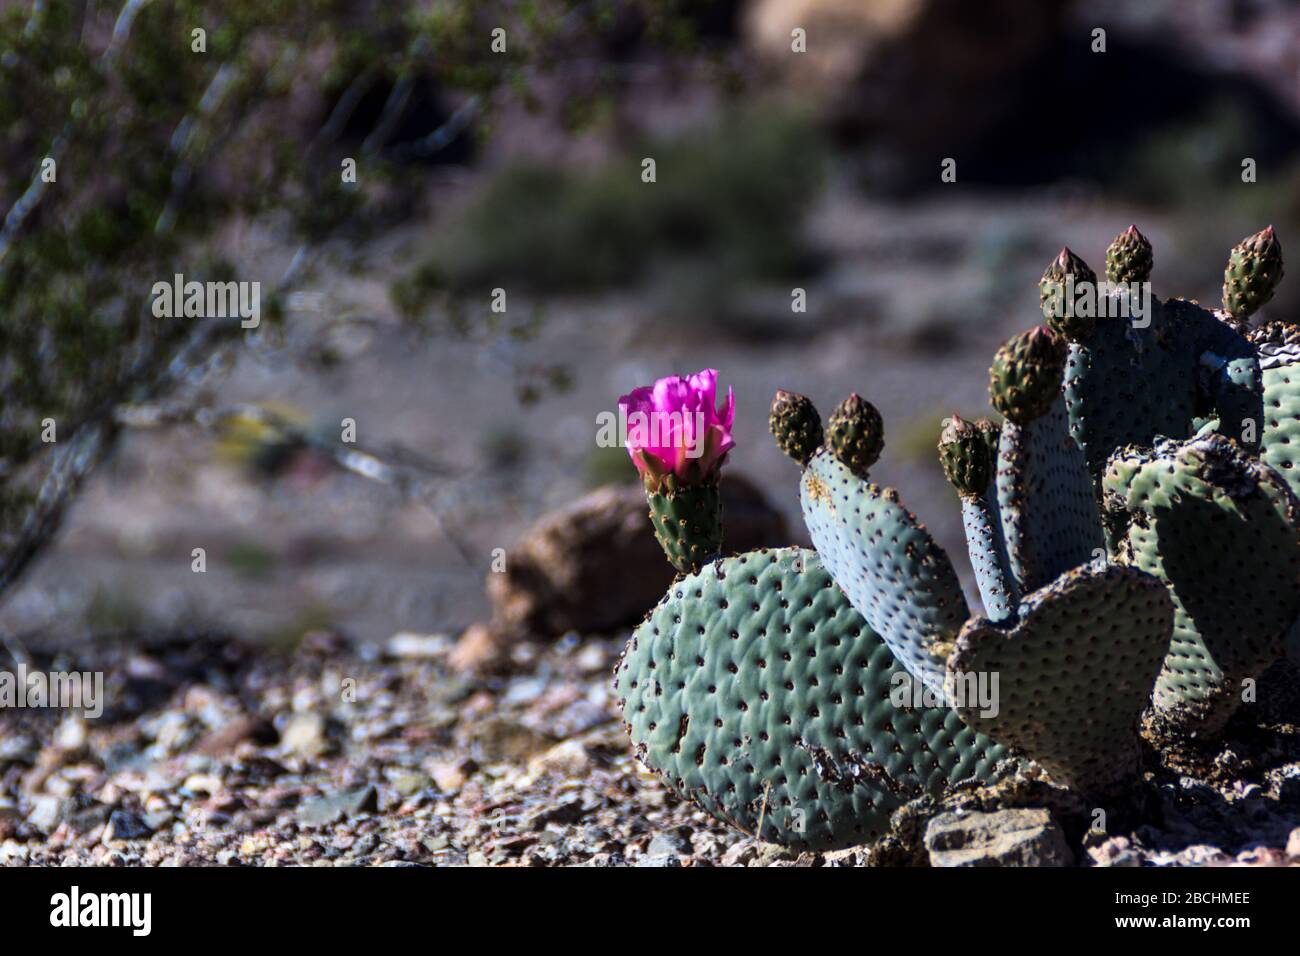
[[213, 752]]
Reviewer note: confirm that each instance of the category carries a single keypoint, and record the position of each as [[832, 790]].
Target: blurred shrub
[[1185, 162], [114, 612], [249, 559], [729, 201], [504, 448]]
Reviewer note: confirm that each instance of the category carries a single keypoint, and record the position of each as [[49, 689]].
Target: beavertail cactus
[[1220, 529], [1278, 346], [887, 563], [1134, 531], [757, 691], [1075, 671], [1048, 510], [968, 452], [678, 438]]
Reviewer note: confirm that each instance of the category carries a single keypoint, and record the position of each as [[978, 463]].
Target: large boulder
[[928, 77]]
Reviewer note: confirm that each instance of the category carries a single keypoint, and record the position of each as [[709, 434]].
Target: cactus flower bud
[[855, 433], [967, 456], [1062, 281], [991, 432], [1253, 272], [1026, 374], [796, 425], [678, 437], [1129, 258]]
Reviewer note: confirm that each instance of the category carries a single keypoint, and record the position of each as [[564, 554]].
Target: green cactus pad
[[968, 454], [855, 433], [1253, 272], [987, 548], [1219, 528], [893, 572], [755, 689], [1236, 388], [1050, 521], [687, 521], [1127, 385], [795, 424], [1277, 335], [1279, 436], [1129, 257], [1074, 674], [1278, 348]]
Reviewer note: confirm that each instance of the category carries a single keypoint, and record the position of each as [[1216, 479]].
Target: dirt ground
[[217, 753]]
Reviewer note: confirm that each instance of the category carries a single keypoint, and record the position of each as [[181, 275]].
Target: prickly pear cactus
[[1220, 529], [1134, 528], [1163, 370], [1074, 674], [1279, 436], [1046, 503], [887, 563], [757, 691], [687, 521], [1125, 384], [968, 454]]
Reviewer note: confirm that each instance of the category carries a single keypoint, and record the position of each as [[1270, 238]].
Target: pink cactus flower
[[677, 427]]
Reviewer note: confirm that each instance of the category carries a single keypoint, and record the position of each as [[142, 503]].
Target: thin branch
[[345, 107], [84, 452], [394, 107], [413, 477], [184, 134], [440, 138], [35, 192], [122, 28]]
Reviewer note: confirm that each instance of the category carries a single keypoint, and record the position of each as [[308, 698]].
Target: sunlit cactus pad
[[1074, 674], [1279, 359], [1220, 529], [756, 690], [893, 571]]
